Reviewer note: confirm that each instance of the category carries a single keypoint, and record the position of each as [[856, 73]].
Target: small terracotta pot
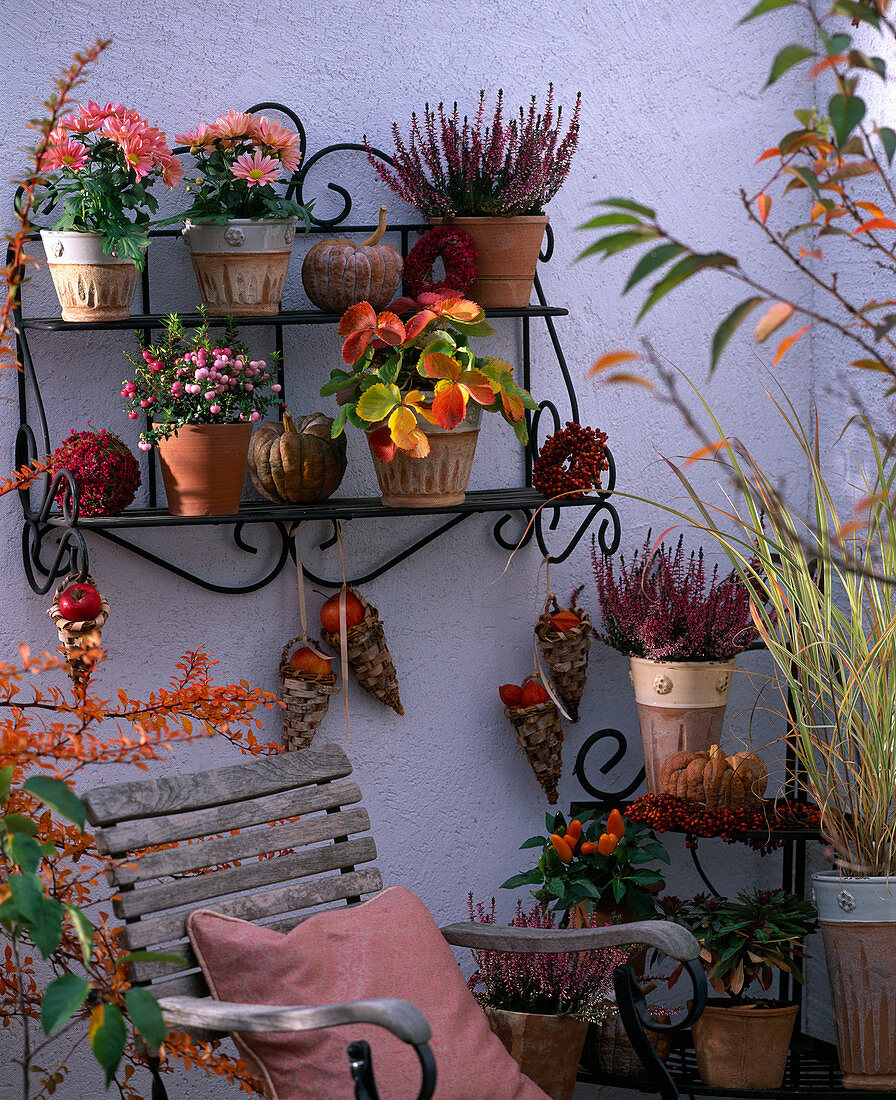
[[90, 285], [743, 1046], [203, 467], [547, 1048], [507, 250], [681, 705]]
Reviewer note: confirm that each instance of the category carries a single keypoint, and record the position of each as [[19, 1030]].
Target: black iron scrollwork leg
[[606, 768]]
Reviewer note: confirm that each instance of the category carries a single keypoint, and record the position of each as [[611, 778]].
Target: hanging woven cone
[[78, 636], [565, 653], [306, 697], [369, 656], [540, 735]]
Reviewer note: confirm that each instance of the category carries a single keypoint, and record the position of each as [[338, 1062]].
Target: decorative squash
[[338, 274], [297, 463], [720, 782]]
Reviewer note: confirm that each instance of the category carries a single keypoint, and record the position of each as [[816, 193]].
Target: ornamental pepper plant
[[422, 367], [595, 862]]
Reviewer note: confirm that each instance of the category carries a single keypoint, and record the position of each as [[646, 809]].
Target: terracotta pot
[[508, 250], [608, 1049], [547, 1048], [439, 480], [681, 705], [90, 285], [858, 925], [203, 467], [241, 266], [743, 1046]]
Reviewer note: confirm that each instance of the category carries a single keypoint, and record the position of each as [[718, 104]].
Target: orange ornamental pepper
[[607, 844], [574, 832], [562, 848], [616, 824], [588, 848]]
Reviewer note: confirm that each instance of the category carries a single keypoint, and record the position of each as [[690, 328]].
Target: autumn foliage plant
[[421, 367], [595, 862]]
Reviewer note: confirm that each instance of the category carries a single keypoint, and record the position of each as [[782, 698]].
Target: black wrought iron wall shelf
[[55, 537]]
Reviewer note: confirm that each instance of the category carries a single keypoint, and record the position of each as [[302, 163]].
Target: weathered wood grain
[[671, 939], [268, 903], [259, 776], [216, 850], [131, 836], [249, 876]]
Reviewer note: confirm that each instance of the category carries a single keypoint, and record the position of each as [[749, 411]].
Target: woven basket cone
[[566, 656], [306, 698], [369, 657], [77, 636], [540, 735]]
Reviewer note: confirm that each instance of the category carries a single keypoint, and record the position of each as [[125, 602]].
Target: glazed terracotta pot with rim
[[857, 917], [681, 705], [90, 285], [547, 1048], [241, 265], [438, 481], [203, 467], [743, 1046], [507, 251]]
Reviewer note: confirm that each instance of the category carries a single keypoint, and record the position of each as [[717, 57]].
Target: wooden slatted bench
[[300, 848]]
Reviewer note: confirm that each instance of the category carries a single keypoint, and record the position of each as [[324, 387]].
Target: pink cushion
[[387, 947]]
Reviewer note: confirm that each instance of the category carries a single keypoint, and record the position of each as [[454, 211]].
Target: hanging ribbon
[[540, 674]]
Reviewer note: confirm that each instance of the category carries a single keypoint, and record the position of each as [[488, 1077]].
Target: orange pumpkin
[[718, 781], [297, 463], [338, 274]]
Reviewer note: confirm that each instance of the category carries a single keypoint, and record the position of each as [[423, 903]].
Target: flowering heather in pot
[[239, 159], [451, 167], [561, 984], [195, 381], [660, 608], [105, 471], [101, 163]]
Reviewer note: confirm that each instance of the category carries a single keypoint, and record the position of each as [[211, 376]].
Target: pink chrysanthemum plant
[[202, 379], [402, 371], [240, 160], [101, 163]]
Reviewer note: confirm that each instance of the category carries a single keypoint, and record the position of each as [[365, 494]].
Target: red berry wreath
[[458, 255], [570, 461]]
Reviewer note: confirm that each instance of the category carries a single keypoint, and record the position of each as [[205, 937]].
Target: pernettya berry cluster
[[570, 462]]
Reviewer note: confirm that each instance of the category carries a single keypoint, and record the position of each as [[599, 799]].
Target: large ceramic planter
[[203, 467], [743, 1046], [547, 1048], [439, 480], [858, 925], [241, 266], [507, 250], [90, 285], [681, 705]]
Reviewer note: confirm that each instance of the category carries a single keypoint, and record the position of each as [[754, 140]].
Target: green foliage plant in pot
[[829, 620], [417, 390], [742, 1042], [490, 181], [537, 1004], [681, 635], [203, 395], [239, 229], [100, 164]]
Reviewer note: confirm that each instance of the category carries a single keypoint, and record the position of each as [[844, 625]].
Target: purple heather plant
[[659, 606], [566, 983], [452, 168]]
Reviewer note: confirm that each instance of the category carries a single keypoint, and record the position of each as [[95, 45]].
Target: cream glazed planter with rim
[[241, 265], [857, 917], [681, 705], [90, 284]]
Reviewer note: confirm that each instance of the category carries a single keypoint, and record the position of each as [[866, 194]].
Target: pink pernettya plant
[[452, 167], [660, 607], [565, 983]]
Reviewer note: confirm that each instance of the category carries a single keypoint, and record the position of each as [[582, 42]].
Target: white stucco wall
[[672, 114]]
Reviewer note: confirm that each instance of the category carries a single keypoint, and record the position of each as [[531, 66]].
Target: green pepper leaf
[[25, 851], [61, 1000], [19, 823], [146, 1015], [59, 797], [108, 1037]]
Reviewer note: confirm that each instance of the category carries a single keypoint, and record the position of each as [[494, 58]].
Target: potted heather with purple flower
[[681, 627], [490, 181]]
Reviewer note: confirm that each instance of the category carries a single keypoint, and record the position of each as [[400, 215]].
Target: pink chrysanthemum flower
[[235, 124], [65, 154], [95, 115], [172, 169], [256, 169], [281, 142]]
